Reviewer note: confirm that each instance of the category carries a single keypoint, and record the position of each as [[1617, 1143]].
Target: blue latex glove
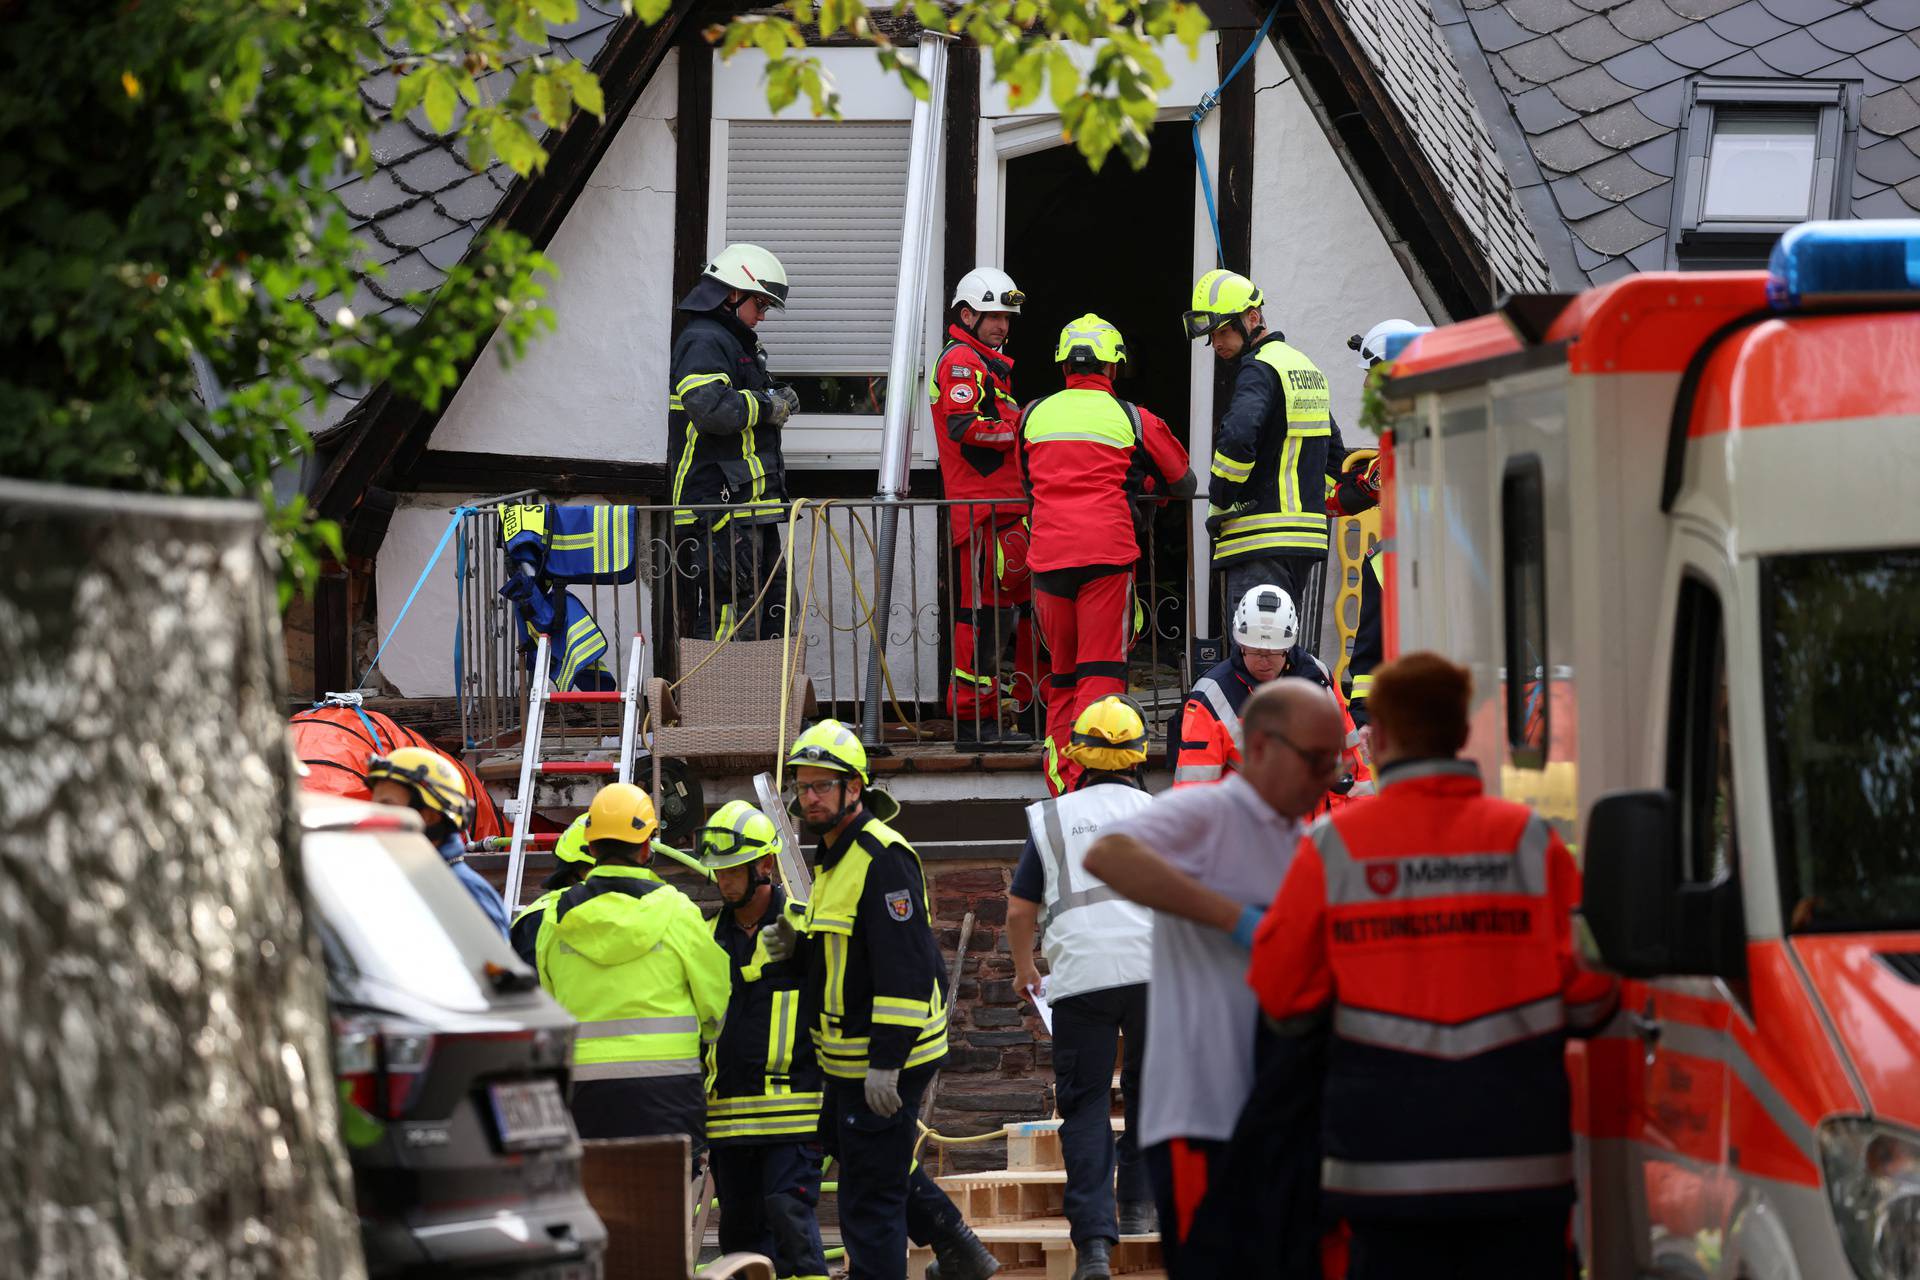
[[1250, 918]]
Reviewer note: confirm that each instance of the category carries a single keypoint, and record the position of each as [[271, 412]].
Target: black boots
[[961, 1256], [1138, 1218], [1093, 1262], [987, 735]]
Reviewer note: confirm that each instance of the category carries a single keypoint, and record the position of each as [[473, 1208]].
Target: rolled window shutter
[[829, 199]]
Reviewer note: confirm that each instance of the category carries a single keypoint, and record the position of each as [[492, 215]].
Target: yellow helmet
[[621, 812], [432, 777], [572, 845], [1219, 297], [1110, 735], [830, 745], [1093, 339], [737, 834]]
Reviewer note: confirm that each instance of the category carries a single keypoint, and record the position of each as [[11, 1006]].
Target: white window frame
[[819, 441]]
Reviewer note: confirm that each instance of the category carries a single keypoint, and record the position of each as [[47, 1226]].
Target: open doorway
[[1119, 243]]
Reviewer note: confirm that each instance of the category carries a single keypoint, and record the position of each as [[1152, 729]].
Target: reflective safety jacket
[[1207, 733], [975, 418], [763, 1084], [718, 418], [633, 959], [1094, 938], [1085, 454], [1433, 924], [524, 934], [873, 967], [1270, 457]]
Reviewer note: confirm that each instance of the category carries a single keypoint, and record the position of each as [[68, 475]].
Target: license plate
[[530, 1114]]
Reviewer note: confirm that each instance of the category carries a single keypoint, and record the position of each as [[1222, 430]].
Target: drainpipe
[[903, 368]]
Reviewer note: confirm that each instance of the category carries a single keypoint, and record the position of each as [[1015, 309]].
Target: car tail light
[[381, 1062]]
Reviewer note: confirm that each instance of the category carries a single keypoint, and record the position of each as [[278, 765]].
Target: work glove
[[883, 1091], [778, 409], [780, 940]]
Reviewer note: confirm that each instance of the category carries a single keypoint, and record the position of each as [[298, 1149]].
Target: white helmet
[[1266, 620], [751, 268], [989, 289], [1373, 347]]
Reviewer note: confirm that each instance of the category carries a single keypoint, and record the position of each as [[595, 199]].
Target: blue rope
[[1208, 101], [438, 550]]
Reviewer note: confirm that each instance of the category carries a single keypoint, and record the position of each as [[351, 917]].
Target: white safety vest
[[1095, 938]]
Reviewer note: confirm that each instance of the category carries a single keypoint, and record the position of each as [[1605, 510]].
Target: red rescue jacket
[[1434, 925], [1206, 737], [975, 419]]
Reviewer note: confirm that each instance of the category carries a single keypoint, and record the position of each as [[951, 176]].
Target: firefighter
[[725, 413], [1265, 630], [1086, 456], [423, 780], [1099, 956], [632, 958], [875, 977], [977, 417], [572, 861], [763, 1102], [1274, 450], [1359, 490], [1433, 926]]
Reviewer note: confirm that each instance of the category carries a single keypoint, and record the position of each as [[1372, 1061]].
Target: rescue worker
[[725, 414], [572, 861], [763, 1102], [1358, 491], [875, 977], [1433, 925], [977, 419], [1265, 630], [1086, 457], [1099, 957], [431, 785], [1274, 448], [1202, 858], [632, 958]]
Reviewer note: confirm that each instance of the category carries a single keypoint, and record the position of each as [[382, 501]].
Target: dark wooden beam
[[1388, 157], [692, 161], [390, 433], [963, 163], [1233, 184], [332, 631], [446, 471]]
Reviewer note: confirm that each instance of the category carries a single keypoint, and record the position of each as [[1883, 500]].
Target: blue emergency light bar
[[1824, 264], [1394, 343]]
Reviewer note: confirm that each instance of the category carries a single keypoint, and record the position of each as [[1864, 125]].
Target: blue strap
[[438, 550], [1208, 101]]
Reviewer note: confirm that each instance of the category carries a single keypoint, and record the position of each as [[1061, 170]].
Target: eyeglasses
[[817, 788], [1318, 762]]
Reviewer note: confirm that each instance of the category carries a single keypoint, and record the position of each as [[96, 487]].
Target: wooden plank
[[963, 162], [452, 471], [692, 153]]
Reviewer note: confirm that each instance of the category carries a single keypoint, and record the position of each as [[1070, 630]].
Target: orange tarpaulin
[[334, 743]]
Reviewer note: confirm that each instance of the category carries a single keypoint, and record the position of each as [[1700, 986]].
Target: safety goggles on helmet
[[1219, 298], [430, 775], [1109, 735], [830, 745], [736, 835]]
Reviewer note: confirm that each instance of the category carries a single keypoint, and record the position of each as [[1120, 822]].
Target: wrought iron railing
[[809, 575]]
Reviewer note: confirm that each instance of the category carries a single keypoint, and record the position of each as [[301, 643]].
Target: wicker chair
[[728, 707], [642, 1188]]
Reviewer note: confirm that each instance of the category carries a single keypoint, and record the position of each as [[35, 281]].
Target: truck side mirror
[[1647, 922], [1630, 879]]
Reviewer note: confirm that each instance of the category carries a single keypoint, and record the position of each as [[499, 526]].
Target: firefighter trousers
[[1528, 1246], [1368, 643], [992, 594], [769, 1192], [1085, 617], [1086, 1036], [642, 1108], [1201, 1212], [728, 568], [884, 1196]]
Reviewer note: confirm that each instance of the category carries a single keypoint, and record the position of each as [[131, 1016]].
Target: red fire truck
[[1671, 524]]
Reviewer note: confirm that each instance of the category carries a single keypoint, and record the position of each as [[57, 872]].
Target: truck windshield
[[1842, 647]]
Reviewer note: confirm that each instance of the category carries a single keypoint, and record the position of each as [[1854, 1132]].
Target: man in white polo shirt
[[1209, 860]]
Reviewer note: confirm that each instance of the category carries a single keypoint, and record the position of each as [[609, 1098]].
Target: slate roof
[[420, 209], [1583, 100], [1415, 64]]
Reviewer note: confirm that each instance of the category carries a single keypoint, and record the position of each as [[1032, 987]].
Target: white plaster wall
[[1317, 253], [596, 386]]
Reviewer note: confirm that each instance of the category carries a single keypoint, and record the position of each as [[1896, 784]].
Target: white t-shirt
[[1201, 1014]]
